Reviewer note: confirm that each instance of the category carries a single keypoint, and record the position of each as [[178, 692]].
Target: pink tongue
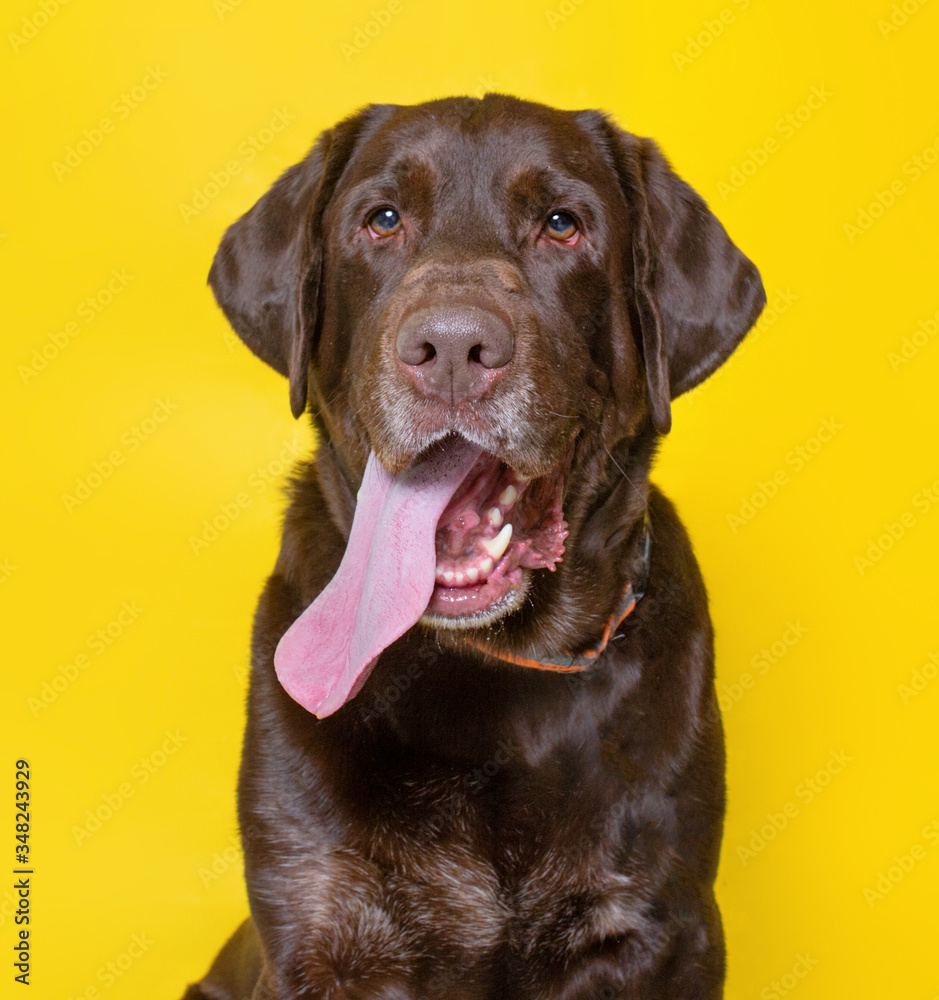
[[382, 586]]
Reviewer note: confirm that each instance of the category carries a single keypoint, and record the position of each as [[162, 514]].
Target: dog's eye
[[384, 222], [562, 227]]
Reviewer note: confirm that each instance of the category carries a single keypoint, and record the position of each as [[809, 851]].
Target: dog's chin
[[467, 608]]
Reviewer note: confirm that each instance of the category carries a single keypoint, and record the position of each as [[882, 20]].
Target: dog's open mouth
[[446, 541], [496, 524]]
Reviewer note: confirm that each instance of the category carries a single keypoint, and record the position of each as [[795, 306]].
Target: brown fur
[[464, 828]]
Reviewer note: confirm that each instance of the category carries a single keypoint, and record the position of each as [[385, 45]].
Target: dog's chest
[[549, 897], [488, 861]]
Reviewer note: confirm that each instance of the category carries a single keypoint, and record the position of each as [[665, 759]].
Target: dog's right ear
[[266, 272]]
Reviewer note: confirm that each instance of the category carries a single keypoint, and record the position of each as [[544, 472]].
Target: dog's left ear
[[696, 294], [266, 272]]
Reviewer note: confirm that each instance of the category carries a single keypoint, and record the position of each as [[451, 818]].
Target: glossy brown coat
[[464, 828]]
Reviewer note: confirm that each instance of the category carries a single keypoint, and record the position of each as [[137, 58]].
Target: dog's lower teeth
[[470, 568]]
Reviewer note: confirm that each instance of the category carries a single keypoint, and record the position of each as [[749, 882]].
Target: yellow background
[[162, 867]]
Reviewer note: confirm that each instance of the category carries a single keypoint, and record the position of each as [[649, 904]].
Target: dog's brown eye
[[384, 222], [561, 226]]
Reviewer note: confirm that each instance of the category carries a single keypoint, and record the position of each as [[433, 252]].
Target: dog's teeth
[[438, 572], [472, 575], [459, 577], [485, 566], [448, 576], [508, 496], [495, 516], [496, 546]]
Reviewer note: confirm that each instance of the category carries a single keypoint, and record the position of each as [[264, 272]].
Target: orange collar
[[570, 662]]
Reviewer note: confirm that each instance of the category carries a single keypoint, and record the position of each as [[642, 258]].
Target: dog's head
[[490, 297]]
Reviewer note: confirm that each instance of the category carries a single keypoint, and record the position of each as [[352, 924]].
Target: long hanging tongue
[[382, 586]]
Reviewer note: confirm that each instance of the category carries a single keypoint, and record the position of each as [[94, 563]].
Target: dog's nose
[[454, 352]]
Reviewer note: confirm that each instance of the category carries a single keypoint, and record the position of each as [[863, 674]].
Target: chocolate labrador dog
[[483, 757]]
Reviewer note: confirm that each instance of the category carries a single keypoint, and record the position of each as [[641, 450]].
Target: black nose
[[454, 352]]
